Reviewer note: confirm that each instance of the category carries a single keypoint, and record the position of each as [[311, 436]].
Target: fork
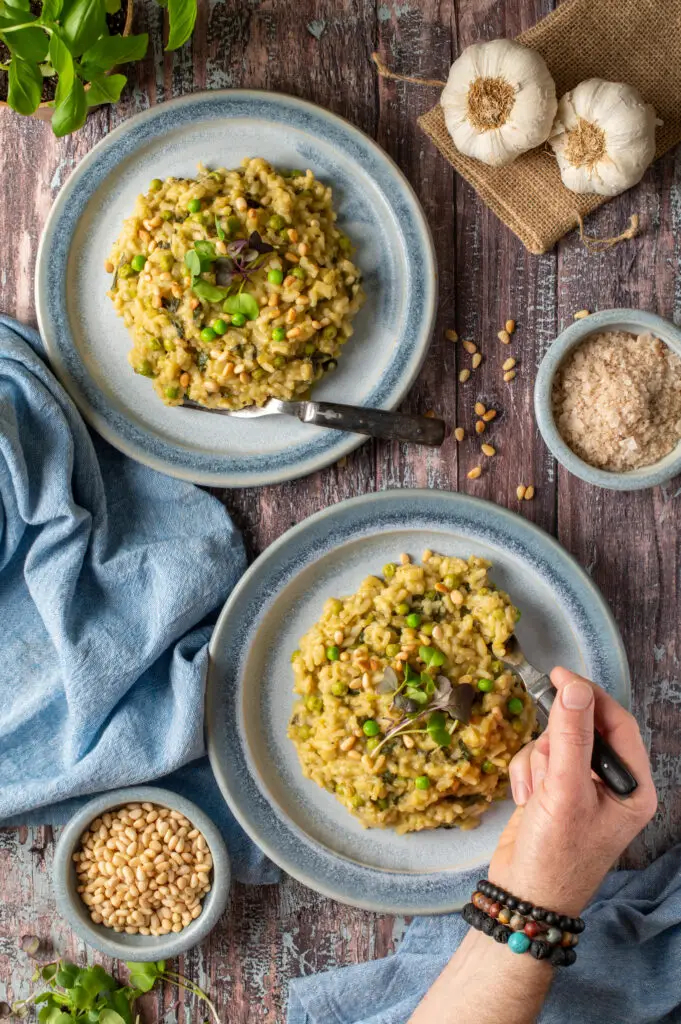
[[392, 426]]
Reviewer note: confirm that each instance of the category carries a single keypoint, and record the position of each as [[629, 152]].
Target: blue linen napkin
[[628, 968], [108, 573]]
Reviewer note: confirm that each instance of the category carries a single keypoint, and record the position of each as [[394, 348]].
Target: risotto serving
[[405, 712], [236, 286]]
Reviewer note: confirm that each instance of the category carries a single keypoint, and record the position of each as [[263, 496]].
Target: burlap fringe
[[385, 72], [596, 245]]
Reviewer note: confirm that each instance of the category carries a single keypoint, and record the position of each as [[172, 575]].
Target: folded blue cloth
[[108, 572], [628, 968]]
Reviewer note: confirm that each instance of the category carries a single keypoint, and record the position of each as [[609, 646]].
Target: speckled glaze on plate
[[635, 321], [300, 826], [88, 344], [138, 947]]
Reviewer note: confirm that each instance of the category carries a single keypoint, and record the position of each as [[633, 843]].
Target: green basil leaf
[[192, 263], [62, 62], [209, 292], [181, 21], [143, 975], [48, 972], [30, 44], [110, 1017], [220, 233], [83, 22], [51, 10], [121, 1001], [109, 51], [53, 1015], [25, 86], [104, 89], [71, 111], [67, 974], [112, 6], [242, 303], [19, 5]]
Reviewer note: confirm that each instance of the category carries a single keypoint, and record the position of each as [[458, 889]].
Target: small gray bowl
[[636, 322], [138, 947]]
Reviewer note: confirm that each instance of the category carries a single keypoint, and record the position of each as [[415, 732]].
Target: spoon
[[605, 763], [392, 426]]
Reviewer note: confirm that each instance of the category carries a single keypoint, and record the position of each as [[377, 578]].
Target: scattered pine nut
[[109, 267], [470, 347], [504, 337], [474, 473], [509, 364], [580, 314], [476, 360], [489, 415], [404, 558], [529, 493], [488, 449], [510, 326], [479, 409], [292, 234], [295, 332], [451, 335], [464, 375], [520, 491], [459, 434], [508, 377], [479, 426]]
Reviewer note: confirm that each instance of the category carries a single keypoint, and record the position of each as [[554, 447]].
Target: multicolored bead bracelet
[[524, 927]]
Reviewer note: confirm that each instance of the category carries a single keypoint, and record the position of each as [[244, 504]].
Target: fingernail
[[576, 696], [521, 793]]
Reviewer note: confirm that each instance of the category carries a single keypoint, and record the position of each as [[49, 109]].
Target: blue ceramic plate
[[302, 827], [88, 343]]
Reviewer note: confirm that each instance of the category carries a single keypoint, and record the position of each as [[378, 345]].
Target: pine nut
[[504, 337], [366, 681], [240, 204], [470, 347], [295, 332], [438, 633], [520, 492], [479, 426], [450, 335], [479, 409], [529, 493], [474, 473], [489, 415], [476, 360], [109, 267], [459, 433], [508, 377], [488, 449], [292, 235], [510, 326], [580, 314], [464, 375], [348, 743], [408, 742], [404, 558], [508, 365]]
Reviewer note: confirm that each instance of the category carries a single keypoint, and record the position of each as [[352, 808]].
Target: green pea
[[169, 345], [371, 727], [233, 225], [279, 362], [125, 271], [329, 332], [383, 804], [372, 743], [154, 345], [488, 768], [339, 689], [296, 654], [145, 369], [155, 185], [402, 608], [332, 654], [194, 205], [207, 335], [304, 732], [310, 348], [219, 326], [392, 650], [166, 261], [279, 334], [258, 373], [137, 262], [166, 215], [299, 273], [485, 685], [172, 392], [275, 276], [389, 570], [427, 628], [414, 620], [357, 801], [276, 223], [314, 703], [515, 706], [238, 319], [422, 782]]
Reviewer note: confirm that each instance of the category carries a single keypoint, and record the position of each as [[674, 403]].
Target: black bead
[[467, 913], [501, 895], [552, 919], [524, 907], [540, 950], [570, 957], [502, 933], [539, 914], [559, 956], [511, 902], [578, 926], [565, 924], [481, 885], [488, 925]]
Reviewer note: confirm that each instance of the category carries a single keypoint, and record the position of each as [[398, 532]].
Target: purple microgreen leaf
[[236, 247], [256, 242], [388, 683]]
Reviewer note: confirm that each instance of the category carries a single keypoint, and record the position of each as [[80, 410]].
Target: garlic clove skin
[[499, 101], [603, 137]]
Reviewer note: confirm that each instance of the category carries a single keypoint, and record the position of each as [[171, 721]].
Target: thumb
[[571, 731]]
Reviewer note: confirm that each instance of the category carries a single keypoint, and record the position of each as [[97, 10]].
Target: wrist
[[549, 894]]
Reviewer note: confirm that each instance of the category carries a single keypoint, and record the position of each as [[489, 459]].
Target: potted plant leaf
[[58, 57]]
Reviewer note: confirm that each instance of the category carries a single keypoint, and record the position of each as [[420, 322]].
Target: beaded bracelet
[[518, 942], [521, 915]]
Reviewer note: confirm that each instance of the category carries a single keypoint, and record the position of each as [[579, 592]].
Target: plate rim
[[212, 699], [208, 477]]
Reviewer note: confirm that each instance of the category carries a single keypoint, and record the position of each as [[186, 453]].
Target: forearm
[[484, 983]]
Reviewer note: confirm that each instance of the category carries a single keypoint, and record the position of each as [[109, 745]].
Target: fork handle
[[392, 426], [606, 764]]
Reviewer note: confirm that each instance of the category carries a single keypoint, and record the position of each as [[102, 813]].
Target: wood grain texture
[[629, 543]]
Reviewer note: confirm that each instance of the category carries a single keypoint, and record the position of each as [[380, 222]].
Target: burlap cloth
[[633, 41]]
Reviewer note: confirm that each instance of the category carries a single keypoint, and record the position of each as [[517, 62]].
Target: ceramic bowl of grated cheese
[[608, 399]]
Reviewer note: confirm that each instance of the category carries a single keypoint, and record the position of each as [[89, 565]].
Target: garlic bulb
[[499, 101], [603, 137]]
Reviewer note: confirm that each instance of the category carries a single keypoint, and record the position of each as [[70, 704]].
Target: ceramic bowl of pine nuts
[[141, 874]]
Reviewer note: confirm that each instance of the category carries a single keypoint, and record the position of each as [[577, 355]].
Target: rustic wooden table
[[630, 544]]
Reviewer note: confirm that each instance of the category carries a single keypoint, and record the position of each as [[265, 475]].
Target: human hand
[[568, 828]]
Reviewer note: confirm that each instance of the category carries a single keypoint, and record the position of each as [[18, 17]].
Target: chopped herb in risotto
[[405, 712], [236, 286]]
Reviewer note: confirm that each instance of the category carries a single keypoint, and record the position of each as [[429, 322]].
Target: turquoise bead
[[518, 942]]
